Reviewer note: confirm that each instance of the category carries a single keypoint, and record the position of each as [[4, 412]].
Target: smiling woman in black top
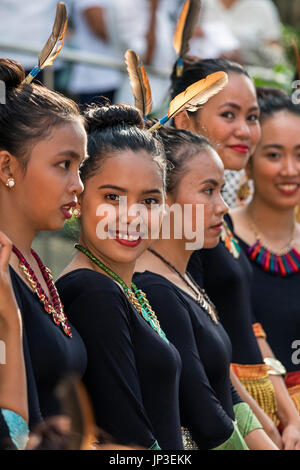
[[133, 370], [186, 314]]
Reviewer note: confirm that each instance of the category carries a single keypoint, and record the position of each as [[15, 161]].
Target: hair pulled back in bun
[[113, 129], [11, 73], [29, 112], [112, 115], [180, 147]]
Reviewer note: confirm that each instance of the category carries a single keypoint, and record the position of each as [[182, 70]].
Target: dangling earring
[[77, 212], [10, 183], [244, 192]]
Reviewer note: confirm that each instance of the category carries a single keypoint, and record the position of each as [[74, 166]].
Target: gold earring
[[10, 183], [77, 212], [244, 191]]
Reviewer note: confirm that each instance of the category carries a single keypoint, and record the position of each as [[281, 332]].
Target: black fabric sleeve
[[5, 440], [235, 396], [201, 411], [99, 316]]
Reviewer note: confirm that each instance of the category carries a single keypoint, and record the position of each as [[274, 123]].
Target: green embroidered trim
[[154, 446], [235, 442], [246, 419]]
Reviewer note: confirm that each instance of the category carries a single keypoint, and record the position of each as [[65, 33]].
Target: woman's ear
[[182, 121], [8, 166]]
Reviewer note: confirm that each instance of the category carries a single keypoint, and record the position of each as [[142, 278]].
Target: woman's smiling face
[[275, 166], [112, 225], [230, 121]]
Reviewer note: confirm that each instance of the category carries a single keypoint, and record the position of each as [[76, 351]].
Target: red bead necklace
[[55, 308]]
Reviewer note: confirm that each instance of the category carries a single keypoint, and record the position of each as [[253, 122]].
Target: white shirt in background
[[130, 23], [86, 78], [28, 21], [254, 23]]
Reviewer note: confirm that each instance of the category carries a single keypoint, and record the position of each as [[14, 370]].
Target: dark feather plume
[[139, 82], [185, 26]]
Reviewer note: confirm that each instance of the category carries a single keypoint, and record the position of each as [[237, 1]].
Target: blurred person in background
[[248, 31], [91, 34], [147, 27], [28, 22]]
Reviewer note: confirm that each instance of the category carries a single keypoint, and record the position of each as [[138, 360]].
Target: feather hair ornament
[[139, 82], [194, 96], [184, 30], [294, 44], [53, 44]]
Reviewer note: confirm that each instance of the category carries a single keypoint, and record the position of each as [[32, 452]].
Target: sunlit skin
[[275, 169], [130, 174], [229, 120], [201, 183], [49, 182]]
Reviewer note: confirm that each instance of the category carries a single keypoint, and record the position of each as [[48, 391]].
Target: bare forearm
[[96, 21]]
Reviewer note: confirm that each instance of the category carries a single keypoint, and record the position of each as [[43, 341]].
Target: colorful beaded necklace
[[283, 264], [135, 296], [55, 308], [230, 241]]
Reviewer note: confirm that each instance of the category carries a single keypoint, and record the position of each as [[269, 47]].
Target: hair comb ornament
[[53, 44]]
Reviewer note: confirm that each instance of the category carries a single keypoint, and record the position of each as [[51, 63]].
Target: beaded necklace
[[201, 296], [230, 241], [56, 307], [135, 296], [284, 263]]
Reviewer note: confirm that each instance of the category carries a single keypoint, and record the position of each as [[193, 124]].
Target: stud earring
[[77, 212], [10, 183]]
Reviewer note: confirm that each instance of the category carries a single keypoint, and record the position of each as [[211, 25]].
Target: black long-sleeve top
[[276, 305], [227, 281], [206, 393], [6, 442], [133, 374], [48, 353]]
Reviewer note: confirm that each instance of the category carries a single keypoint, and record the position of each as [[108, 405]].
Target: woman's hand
[[291, 436]]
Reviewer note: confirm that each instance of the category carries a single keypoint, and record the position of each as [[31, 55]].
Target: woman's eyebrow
[[69, 153], [112, 186]]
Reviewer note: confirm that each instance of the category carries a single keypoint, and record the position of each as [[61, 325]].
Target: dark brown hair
[[113, 128], [29, 112]]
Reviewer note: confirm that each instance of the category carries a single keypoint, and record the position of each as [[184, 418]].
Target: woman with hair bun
[[270, 236], [133, 370], [42, 143]]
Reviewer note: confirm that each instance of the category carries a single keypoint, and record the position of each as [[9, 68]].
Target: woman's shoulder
[[84, 281]]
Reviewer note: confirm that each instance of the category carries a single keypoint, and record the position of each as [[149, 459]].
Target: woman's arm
[[99, 315], [270, 435], [13, 391]]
